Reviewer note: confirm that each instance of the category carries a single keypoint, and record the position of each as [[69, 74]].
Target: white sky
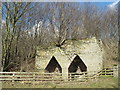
[[113, 4]]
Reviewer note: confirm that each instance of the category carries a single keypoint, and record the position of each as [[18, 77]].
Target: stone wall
[[88, 50]]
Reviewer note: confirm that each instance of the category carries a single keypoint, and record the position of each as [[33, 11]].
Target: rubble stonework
[[88, 50]]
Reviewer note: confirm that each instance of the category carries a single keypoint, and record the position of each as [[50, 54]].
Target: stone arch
[[77, 65], [53, 66]]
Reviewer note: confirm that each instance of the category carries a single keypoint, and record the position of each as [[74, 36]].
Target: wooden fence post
[[34, 78], [70, 77], [115, 71], [53, 78], [13, 78], [105, 72]]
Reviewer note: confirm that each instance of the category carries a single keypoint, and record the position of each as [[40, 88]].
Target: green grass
[[101, 82]]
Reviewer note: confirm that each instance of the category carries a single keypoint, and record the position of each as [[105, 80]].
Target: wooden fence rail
[[37, 76]]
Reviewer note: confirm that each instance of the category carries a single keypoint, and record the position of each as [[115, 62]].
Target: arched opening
[[53, 66], [77, 66]]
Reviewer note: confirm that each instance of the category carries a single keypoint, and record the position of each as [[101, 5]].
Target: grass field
[[101, 82]]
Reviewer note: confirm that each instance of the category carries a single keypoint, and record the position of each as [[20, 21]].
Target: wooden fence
[[53, 77]]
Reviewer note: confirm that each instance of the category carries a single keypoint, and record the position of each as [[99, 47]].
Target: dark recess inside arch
[[52, 65], [77, 62]]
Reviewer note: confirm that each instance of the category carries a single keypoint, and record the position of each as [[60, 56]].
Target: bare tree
[[12, 14], [0, 37]]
